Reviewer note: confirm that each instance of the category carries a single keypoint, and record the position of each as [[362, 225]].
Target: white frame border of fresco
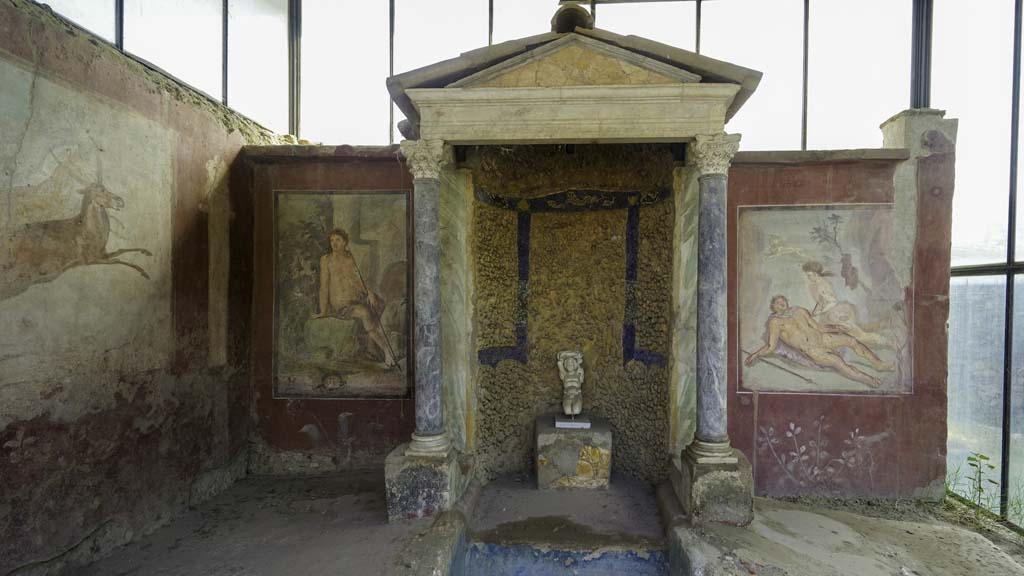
[[804, 233], [406, 349]]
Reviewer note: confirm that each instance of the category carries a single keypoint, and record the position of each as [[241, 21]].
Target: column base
[[714, 483], [436, 446], [418, 486]]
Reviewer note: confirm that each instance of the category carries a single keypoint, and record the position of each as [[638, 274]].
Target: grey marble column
[[425, 159], [711, 156]]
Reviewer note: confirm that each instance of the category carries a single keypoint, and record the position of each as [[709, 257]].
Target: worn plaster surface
[[575, 298], [124, 392]]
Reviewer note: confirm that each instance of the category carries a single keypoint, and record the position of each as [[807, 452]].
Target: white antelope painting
[[39, 252]]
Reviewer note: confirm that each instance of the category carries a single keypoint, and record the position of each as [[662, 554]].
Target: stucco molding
[[713, 153], [426, 158]]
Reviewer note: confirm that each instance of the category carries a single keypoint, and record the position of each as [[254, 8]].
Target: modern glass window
[[972, 80], [345, 61], [184, 38], [519, 18], [425, 35], [258, 61], [96, 16], [1015, 489], [975, 386], [673, 23], [859, 55], [770, 119]]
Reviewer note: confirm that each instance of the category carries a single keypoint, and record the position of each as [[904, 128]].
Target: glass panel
[[972, 59], [673, 23], [976, 320], [345, 56], [184, 38], [96, 16], [1016, 488], [770, 120], [258, 61], [425, 35], [520, 18], [858, 70]]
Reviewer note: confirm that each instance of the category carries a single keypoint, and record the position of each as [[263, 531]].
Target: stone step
[[556, 545]]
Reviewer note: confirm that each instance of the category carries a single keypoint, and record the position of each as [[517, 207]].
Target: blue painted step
[[488, 559]]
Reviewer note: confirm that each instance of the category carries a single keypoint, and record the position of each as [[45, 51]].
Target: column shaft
[[429, 404], [712, 297]]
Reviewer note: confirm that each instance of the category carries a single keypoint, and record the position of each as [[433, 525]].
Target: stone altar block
[[572, 458]]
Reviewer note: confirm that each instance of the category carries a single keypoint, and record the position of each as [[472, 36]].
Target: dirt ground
[[811, 538], [265, 526]]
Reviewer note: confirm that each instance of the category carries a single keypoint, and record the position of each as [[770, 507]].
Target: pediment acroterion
[[576, 60]]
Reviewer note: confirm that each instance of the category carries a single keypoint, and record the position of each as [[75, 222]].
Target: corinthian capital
[[425, 158], [712, 153]]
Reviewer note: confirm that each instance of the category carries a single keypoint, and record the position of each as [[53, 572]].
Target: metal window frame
[[1010, 268]]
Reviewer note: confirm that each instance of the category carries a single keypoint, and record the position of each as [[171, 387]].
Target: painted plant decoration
[[821, 306], [341, 310], [817, 460]]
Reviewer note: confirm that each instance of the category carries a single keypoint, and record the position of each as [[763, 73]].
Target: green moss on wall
[[577, 298]]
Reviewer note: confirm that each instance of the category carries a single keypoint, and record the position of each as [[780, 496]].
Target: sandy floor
[[273, 526], [805, 541]]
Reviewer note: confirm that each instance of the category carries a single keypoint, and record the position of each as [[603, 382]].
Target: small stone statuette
[[570, 370]]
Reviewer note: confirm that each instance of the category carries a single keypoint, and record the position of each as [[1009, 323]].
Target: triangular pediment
[[575, 60]]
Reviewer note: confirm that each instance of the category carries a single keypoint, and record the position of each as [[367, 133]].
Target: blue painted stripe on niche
[[629, 349], [632, 242], [564, 201], [491, 356]]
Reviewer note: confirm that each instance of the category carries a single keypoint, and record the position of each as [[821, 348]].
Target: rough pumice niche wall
[[123, 377], [572, 250]]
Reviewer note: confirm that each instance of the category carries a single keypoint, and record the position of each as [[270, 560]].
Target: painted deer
[[41, 251]]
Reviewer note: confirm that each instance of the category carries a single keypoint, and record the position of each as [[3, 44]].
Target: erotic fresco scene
[[821, 306], [341, 297]]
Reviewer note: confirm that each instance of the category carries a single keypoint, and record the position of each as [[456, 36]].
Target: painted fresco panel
[[85, 233], [342, 281], [821, 306]]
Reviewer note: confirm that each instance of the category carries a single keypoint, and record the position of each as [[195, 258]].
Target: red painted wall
[[905, 435], [375, 425]]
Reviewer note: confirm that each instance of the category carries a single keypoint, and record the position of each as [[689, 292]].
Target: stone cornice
[[567, 114]]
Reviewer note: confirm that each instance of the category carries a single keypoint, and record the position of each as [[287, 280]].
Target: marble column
[[425, 159], [713, 481], [711, 156]]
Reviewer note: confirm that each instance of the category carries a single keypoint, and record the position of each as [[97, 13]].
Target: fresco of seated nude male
[[821, 305], [341, 298]]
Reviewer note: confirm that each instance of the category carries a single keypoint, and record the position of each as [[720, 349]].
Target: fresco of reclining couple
[[821, 306]]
